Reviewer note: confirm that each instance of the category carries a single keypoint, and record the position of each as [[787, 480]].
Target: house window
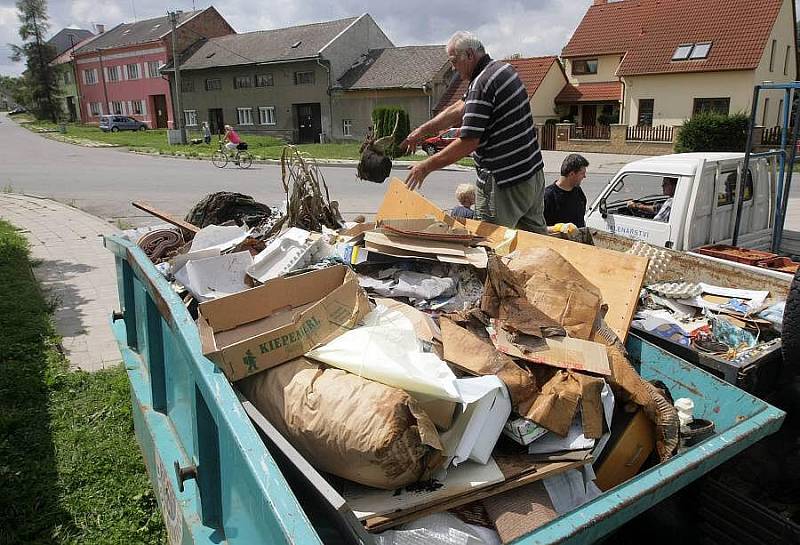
[[711, 105], [67, 78], [116, 107], [304, 78], [133, 71], [187, 85], [645, 111], [347, 127], [113, 73], [266, 115], [700, 50], [190, 117], [244, 116], [682, 52], [772, 47], [242, 82], [786, 60], [90, 76], [264, 80], [137, 107], [765, 113], [584, 66], [213, 84], [96, 109], [152, 69]]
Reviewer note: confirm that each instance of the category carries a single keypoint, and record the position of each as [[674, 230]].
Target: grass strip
[[70, 468]]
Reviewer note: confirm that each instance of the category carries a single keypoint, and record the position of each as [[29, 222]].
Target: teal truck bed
[[222, 474]]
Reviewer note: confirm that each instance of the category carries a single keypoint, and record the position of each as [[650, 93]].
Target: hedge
[[713, 132]]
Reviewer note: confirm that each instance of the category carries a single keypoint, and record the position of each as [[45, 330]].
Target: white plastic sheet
[[215, 277], [438, 529]]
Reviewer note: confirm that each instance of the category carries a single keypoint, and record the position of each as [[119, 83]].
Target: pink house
[[118, 71]]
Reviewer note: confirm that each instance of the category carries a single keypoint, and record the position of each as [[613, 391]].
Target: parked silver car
[[115, 123]]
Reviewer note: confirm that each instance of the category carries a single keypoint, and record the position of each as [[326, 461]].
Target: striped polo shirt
[[497, 112]]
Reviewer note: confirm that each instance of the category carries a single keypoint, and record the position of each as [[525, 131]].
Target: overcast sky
[[535, 27]]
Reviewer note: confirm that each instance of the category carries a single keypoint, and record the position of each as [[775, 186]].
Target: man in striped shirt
[[497, 129]]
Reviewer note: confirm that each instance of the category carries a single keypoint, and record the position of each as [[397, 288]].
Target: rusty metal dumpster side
[[215, 481]]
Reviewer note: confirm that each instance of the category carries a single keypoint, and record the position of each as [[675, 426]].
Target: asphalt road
[[104, 181]]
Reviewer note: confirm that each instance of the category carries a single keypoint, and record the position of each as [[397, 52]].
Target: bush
[[713, 132], [383, 120]]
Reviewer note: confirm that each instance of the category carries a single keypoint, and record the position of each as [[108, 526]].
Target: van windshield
[[649, 190]]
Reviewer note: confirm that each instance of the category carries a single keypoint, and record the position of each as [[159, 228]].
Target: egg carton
[[676, 290], [659, 260]]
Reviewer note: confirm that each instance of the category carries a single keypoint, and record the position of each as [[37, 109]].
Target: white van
[[703, 206]]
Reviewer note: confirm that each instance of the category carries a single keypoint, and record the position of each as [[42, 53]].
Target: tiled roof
[[396, 68], [278, 45], [67, 38], [647, 32], [531, 70], [66, 56], [590, 92], [141, 32]]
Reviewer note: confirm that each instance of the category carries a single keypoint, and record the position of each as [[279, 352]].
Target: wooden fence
[[590, 132]]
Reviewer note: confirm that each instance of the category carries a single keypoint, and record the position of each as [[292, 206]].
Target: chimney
[[100, 28]]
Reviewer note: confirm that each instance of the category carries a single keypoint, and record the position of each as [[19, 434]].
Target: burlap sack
[[347, 425]]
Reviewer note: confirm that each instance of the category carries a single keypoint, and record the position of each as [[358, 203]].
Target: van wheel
[[114, 129], [790, 332]]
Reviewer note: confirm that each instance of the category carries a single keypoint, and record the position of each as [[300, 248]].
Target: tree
[[39, 76]]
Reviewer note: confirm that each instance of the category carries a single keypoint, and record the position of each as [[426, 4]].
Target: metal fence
[[646, 133], [590, 132]]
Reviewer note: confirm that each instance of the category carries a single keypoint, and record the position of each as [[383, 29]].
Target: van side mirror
[[603, 208]]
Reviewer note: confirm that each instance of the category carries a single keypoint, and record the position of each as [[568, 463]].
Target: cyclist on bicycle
[[231, 139]]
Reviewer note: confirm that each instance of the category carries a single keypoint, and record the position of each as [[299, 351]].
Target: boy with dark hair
[[564, 200]]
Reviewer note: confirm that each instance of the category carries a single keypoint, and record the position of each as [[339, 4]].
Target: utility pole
[[177, 115]]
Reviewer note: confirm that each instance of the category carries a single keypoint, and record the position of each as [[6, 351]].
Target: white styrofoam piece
[[215, 277], [285, 253]]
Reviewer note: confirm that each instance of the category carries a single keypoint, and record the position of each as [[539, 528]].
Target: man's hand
[[417, 175], [409, 145]]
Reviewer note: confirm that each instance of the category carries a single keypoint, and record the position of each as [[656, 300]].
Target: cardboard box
[[523, 431], [260, 328]]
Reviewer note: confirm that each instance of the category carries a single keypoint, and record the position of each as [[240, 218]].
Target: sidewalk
[[75, 270]]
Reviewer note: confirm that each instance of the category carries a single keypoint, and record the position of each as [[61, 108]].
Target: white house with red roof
[[658, 62]]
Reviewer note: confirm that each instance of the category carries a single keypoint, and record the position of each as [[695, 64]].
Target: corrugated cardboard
[[256, 329]]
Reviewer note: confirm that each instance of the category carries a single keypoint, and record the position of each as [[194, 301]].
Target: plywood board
[[618, 276]]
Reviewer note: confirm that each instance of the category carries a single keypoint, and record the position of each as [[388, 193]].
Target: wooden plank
[[618, 276], [188, 229], [532, 473]]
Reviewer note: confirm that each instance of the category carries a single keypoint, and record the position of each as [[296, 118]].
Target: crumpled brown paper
[[347, 425]]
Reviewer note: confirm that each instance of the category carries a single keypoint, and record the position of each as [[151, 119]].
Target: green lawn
[[70, 469], [155, 141]]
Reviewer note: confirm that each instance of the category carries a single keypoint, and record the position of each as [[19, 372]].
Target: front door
[[216, 122], [588, 115], [309, 123], [72, 111], [160, 109]]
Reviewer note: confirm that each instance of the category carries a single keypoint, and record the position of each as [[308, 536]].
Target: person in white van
[[658, 211]]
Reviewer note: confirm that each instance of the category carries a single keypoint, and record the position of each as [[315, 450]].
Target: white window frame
[[266, 75], [347, 127], [95, 109], [207, 88], [113, 108], [135, 67], [243, 82], [153, 73], [90, 76], [244, 116], [266, 115], [112, 73], [140, 104], [190, 118]]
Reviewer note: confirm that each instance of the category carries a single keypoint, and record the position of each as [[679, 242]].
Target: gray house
[[413, 77], [274, 82]]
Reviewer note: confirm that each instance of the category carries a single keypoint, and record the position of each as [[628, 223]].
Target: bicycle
[[221, 157]]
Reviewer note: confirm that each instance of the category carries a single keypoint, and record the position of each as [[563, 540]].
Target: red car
[[438, 143]]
